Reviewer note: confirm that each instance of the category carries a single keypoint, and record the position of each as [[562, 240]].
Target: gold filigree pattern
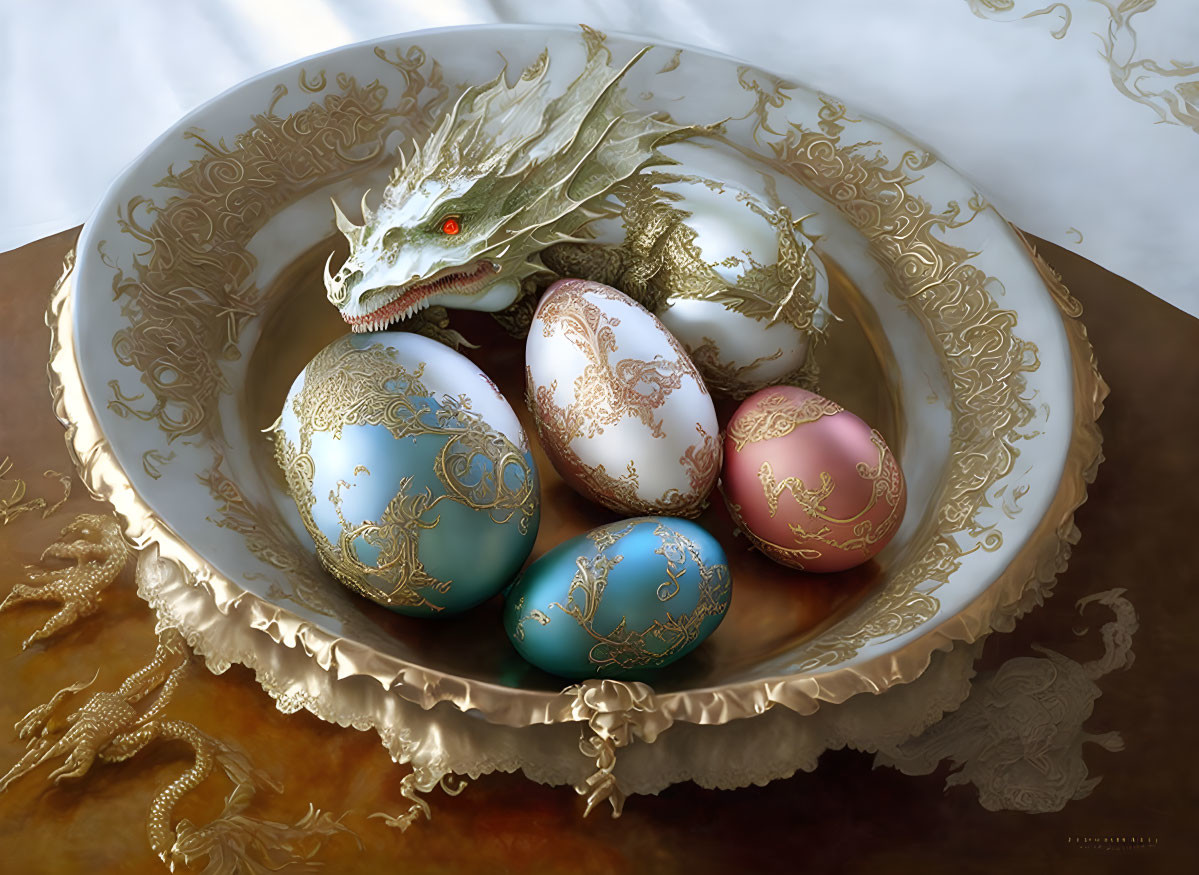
[[776, 416], [555, 426], [727, 377], [983, 358], [98, 548], [346, 385], [886, 487], [1170, 89], [269, 538], [607, 392], [702, 461], [623, 648], [15, 503]]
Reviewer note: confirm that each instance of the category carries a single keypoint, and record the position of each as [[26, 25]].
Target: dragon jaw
[[459, 286], [516, 168]]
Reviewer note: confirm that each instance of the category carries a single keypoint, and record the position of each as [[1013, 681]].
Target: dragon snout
[[340, 286]]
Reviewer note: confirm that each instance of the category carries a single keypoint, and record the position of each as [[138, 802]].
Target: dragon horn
[[351, 231], [365, 210], [329, 281], [797, 224]]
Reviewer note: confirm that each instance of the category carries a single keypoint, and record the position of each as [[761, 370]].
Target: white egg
[[623, 414], [738, 237]]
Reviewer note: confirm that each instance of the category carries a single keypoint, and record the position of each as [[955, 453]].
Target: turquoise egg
[[410, 471], [621, 600]]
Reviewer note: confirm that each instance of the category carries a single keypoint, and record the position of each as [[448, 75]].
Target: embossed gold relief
[[777, 416], [702, 461], [624, 648], [616, 712], [109, 727], [14, 503], [1019, 736], [345, 385], [269, 538], [98, 548]]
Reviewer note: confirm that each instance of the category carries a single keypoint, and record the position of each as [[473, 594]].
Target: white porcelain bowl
[[195, 299]]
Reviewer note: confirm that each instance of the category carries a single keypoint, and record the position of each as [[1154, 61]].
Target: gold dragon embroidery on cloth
[[1019, 736], [96, 545]]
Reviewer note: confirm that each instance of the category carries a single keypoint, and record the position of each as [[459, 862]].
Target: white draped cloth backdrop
[[1079, 120]]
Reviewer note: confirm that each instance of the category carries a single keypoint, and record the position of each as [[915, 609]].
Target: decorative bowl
[[195, 298]]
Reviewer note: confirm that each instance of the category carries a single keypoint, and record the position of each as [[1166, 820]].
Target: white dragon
[[520, 184]]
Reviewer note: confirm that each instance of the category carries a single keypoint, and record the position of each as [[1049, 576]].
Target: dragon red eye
[[450, 225]]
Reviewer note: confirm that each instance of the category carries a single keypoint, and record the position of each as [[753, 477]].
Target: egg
[[620, 600], [622, 412], [410, 471], [812, 485]]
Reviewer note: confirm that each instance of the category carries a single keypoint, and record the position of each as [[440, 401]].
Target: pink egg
[[813, 486]]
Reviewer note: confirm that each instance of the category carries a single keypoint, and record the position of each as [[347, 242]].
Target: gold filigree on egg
[[608, 390], [347, 385], [886, 488], [984, 358], [625, 648], [557, 426], [777, 416]]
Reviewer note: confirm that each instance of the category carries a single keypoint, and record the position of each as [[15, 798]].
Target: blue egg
[[410, 471], [621, 600]]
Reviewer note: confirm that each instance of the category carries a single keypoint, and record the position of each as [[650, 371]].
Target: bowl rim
[[1040, 558]]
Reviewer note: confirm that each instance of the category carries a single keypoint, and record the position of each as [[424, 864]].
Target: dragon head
[[509, 170]]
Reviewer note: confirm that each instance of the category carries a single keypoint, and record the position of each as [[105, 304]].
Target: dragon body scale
[[521, 184]]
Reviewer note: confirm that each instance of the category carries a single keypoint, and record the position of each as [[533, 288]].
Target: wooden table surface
[[1138, 534]]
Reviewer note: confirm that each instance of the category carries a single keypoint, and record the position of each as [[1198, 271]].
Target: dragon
[[112, 727], [523, 183], [99, 550]]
